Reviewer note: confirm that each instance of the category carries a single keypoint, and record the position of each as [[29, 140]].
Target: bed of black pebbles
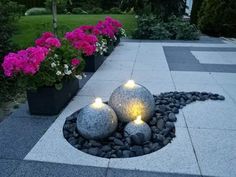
[[162, 126]]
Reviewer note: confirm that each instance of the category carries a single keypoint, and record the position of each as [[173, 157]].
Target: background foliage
[[195, 11], [9, 14], [218, 17], [151, 27], [160, 8]]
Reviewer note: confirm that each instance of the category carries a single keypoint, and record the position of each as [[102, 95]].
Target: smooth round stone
[[96, 123], [133, 129], [128, 103]]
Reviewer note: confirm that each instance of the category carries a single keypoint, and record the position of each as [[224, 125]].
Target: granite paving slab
[[215, 150]]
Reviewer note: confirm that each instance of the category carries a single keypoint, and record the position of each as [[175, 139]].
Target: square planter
[[49, 100], [93, 62]]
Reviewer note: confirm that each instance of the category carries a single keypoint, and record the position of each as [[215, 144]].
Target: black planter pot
[[93, 62], [110, 49], [116, 43], [49, 100]]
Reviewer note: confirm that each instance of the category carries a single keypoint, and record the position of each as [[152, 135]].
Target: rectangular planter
[[49, 100], [93, 62], [110, 46], [116, 43]]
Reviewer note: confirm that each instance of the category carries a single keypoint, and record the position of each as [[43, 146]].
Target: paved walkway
[[205, 143]]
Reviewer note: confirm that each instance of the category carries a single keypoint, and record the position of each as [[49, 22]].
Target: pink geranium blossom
[[26, 61], [82, 41], [75, 62], [48, 40]]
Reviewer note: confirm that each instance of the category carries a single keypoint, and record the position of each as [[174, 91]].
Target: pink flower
[[82, 41], [53, 42], [48, 40], [26, 61], [75, 62]]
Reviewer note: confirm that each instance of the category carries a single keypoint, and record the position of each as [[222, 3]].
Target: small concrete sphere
[[96, 122], [131, 101], [132, 128]]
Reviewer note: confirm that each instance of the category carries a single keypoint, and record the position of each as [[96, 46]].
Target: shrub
[[96, 10], [195, 10], [159, 32], [218, 17], [150, 27], [9, 14], [78, 11], [145, 26], [115, 10], [37, 11]]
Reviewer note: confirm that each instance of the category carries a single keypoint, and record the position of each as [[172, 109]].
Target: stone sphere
[[130, 102], [132, 128], [96, 122]]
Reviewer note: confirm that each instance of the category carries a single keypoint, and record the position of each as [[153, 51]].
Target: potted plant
[[48, 71], [117, 29], [90, 46]]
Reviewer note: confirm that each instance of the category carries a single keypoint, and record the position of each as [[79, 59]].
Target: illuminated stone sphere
[[96, 121], [131, 100], [138, 126]]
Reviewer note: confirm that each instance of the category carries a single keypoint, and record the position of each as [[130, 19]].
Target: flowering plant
[[82, 41], [47, 64], [110, 28]]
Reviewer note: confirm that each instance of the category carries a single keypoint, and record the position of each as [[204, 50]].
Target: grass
[[30, 27]]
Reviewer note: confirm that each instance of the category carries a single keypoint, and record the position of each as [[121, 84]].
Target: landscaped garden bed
[[49, 70]]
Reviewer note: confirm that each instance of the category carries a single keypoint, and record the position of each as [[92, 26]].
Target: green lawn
[[30, 27]]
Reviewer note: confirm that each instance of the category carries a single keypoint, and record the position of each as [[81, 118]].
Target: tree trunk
[[54, 16]]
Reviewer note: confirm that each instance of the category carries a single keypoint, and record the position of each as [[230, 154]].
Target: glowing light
[[138, 120], [98, 103], [130, 84]]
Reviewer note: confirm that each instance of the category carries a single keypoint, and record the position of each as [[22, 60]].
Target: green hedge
[[218, 18]]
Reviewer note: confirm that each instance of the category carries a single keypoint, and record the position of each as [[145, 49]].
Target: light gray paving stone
[[192, 77], [230, 89], [225, 78], [215, 57], [209, 114], [111, 65], [100, 88], [165, 160], [215, 150], [157, 87], [112, 75], [157, 76]]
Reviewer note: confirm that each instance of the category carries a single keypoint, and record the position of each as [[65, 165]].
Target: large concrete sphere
[[130, 102], [96, 122]]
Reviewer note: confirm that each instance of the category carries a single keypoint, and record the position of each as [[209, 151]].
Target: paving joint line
[[108, 166], [194, 150], [220, 85], [139, 45]]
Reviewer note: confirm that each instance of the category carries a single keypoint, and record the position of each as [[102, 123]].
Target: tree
[[218, 18], [195, 11], [161, 8], [54, 12]]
